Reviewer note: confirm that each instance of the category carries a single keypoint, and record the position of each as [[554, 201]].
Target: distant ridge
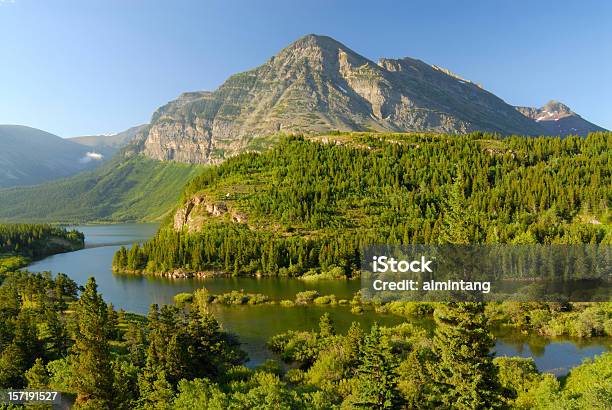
[[124, 189], [558, 119], [108, 145], [31, 156]]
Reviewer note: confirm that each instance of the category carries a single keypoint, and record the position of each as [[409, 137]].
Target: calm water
[[120, 234], [256, 324]]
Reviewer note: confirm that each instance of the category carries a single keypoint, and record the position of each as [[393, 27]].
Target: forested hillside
[[312, 203], [20, 243], [133, 189], [37, 240]]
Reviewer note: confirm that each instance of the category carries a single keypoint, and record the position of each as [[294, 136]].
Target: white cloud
[[90, 156]]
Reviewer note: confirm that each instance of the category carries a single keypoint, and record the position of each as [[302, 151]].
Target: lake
[[256, 324]]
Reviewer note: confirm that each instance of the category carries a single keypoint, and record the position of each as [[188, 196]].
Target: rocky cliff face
[[199, 209], [558, 119], [315, 85]]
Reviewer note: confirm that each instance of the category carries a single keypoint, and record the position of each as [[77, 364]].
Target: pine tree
[[93, 371], [26, 337], [464, 376], [13, 364], [56, 335], [155, 391], [37, 376], [326, 326], [456, 222], [112, 322], [352, 345], [135, 339], [377, 378]]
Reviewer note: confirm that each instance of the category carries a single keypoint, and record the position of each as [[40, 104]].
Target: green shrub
[[357, 309], [333, 273], [325, 300], [240, 298], [181, 299], [306, 297]]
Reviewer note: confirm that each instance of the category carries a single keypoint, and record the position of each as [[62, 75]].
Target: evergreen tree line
[[53, 338], [313, 205], [32, 322], [36, 241]]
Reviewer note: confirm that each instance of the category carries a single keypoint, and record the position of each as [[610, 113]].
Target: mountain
[[108, 145], [317, 85], [30, 156], [559, 119], [126, 188]]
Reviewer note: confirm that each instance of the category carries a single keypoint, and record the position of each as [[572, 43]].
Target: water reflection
[[553, 356]]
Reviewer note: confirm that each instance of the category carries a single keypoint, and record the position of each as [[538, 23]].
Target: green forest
[[58, 336], [305, 209], [313, 203], [21, 243]]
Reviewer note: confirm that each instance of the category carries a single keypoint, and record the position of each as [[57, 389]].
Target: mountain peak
[[557, 107], [318, 49], [316, 40], [558, 119]]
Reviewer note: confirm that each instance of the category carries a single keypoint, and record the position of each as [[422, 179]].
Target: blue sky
[[87, 66]]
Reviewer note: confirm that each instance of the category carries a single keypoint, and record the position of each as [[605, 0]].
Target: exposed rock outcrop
[[194, 213]]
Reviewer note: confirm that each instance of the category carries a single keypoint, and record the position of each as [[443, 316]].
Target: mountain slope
[[123, 189], [559, 119], [30, 156], [108, 145], [317, 202], [316, 85]]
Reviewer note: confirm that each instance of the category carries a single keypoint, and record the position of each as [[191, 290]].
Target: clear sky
[[98, 66]]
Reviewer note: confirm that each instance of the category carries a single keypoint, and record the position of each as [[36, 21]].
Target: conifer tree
[[377, 378], [13, 363], [93, 372], [464, 375], [456, 222], [112, 322], [56, 339], [352, 345], [26, 337], [135, 339], [155, 393], [326, 326], [37, 376]]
